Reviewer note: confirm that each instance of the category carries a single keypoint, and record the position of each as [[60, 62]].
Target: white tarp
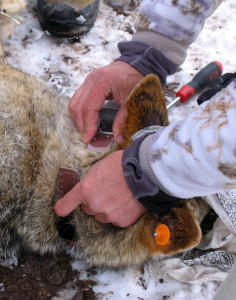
[[215, 255]]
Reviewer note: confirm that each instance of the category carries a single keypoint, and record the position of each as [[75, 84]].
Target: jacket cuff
[[146, 59], [144, 189], [173, 50]]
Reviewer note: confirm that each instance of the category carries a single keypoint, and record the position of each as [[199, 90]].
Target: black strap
[[216, 86]]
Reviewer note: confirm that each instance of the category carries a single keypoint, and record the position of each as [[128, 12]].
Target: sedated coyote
[[37, 138]]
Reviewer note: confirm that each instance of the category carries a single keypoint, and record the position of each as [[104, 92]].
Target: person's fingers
[[86, 103], [112, 217], [85, 208], [69, 202], [118, 124], [76, 111], [102, 218], [91, 118], [127, 219], [84, 107], [123, 223]]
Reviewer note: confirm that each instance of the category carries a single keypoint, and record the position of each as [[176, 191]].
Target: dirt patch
[[43, 278]]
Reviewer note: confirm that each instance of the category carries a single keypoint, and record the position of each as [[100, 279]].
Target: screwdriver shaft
[[173, 102]]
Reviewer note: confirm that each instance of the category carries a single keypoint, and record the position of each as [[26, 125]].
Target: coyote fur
[[37, 138]]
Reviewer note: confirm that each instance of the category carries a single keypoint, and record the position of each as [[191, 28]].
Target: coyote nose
[[65, 229]]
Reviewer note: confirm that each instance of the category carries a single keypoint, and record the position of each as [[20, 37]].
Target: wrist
[[137, 180], [142, 187], [128, 73], [146, 59]]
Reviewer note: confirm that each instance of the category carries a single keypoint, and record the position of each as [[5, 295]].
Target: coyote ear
[[145, 107], [185, 232]]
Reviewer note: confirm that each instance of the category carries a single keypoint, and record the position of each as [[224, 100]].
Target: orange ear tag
[[162, 234]]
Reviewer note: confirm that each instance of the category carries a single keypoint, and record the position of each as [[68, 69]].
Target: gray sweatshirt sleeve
[[165, 29], [171, 26]]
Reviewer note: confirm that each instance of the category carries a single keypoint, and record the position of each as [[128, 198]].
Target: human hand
[[114, 81], [104, 193]]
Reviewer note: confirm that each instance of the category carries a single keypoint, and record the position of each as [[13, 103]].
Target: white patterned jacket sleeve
[[172, 25], [195, 156]]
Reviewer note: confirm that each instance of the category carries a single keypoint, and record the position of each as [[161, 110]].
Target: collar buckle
[[104, 139]]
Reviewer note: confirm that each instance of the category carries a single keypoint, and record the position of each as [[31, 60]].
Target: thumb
[[118, 125], [69, 202]]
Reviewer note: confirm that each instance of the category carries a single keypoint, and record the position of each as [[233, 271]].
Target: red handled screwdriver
[[199, 82]]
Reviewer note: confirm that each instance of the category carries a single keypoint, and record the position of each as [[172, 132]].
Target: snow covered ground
[[65, 64]]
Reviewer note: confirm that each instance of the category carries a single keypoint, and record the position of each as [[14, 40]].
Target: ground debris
[[85, 283], [35, 277]]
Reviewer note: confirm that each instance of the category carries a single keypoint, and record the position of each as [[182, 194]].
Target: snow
[[65, 64]]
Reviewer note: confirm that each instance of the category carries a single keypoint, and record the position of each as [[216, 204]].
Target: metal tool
[[103, 140], [199, 82]]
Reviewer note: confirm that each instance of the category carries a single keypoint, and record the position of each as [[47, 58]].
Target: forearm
[[171, 26], [164, 32]]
